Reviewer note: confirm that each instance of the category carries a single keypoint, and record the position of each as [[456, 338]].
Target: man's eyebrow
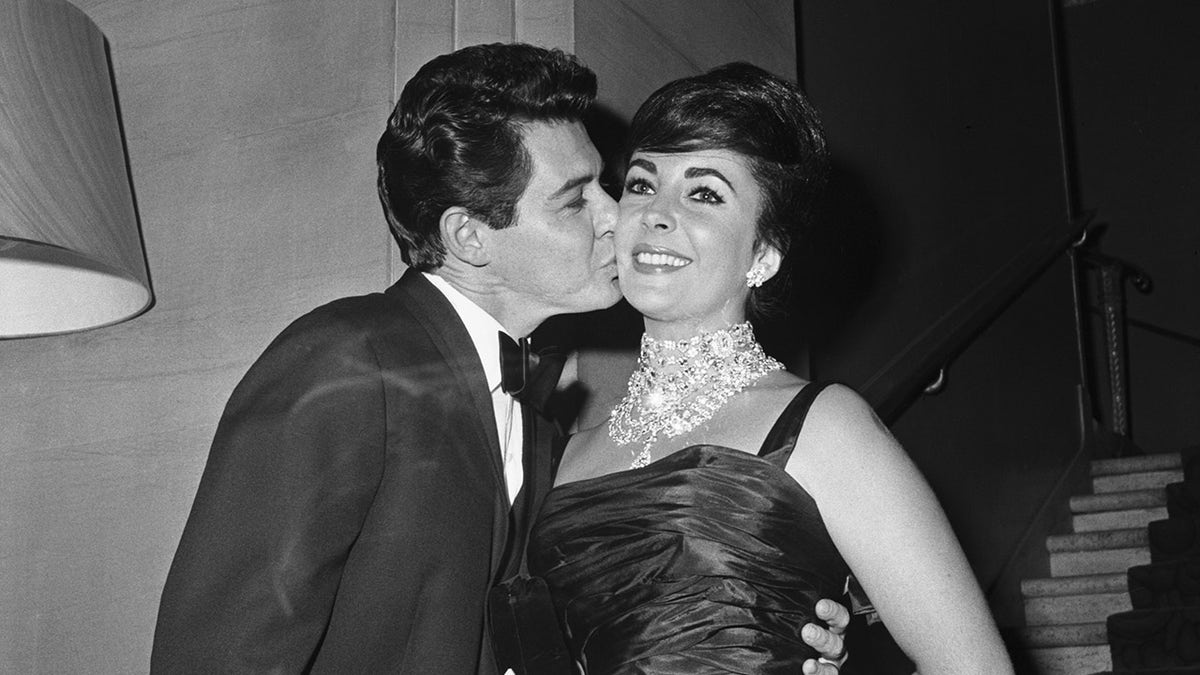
[[696, 172], [570, 185]]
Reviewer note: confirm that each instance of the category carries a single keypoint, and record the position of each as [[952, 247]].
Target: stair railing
[[1113, 274], [920, 367]]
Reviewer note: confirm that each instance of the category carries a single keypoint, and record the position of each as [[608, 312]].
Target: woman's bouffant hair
[[745, 109], [455, 138]]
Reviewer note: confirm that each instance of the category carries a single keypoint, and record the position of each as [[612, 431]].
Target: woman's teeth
[[660, 259]]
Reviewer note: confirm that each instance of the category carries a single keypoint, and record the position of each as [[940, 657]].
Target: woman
[[694, 530]]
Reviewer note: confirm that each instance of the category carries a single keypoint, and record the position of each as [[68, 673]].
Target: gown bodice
[[708, 560]]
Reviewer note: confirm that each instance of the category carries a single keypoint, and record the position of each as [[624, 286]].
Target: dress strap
[[787, 428]]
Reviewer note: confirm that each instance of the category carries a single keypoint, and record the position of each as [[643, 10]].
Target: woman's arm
[[889, 527]]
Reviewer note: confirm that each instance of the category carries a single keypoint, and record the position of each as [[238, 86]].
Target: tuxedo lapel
[[521, 515], [454, 343]]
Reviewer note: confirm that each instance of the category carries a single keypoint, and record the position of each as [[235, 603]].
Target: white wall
[[251, 130]]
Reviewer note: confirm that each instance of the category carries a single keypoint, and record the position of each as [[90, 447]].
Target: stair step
[[1068, 609], [1125, 482], [1076, 563], [1060, 650], [1155, 462], [1117, 520], [1098, 541], [1071, 635], [1066, 660], [1119, 501], [1098, 552], [1116, 582]]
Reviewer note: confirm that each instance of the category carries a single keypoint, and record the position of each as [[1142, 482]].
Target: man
[[372, 478]]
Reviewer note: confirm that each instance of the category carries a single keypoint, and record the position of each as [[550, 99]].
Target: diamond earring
[[755, 277]]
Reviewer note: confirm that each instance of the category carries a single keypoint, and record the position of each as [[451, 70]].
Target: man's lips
[[657, 260], [610, 265]]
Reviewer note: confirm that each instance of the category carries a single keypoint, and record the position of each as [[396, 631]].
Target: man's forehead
[[562, 153]]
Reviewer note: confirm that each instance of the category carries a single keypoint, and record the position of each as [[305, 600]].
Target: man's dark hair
[[743, 108], [454, 138]]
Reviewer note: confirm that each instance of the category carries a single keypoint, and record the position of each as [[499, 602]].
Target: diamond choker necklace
[[679, 385]]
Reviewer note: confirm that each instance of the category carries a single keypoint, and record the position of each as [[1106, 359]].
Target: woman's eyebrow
[[696, 172], [643, 164]]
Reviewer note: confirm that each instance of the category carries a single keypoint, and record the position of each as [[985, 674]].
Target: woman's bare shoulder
[[839, 410], [842, 433]]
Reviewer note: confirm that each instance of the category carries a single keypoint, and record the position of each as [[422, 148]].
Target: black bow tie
[[528, 376]]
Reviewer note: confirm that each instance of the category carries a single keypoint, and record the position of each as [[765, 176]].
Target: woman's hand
[[827, 641]]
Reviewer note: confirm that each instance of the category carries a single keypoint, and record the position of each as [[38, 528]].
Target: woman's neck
[[686, 329]]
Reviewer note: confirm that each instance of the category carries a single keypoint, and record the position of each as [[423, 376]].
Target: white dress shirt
[[483, 329]]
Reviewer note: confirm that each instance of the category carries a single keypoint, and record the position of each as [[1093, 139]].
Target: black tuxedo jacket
[[352, 515]]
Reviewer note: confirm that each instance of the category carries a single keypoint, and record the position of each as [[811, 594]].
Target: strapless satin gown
[[709, 560]]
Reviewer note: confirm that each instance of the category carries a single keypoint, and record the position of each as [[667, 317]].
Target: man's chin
[[600, 302], [614, 298]]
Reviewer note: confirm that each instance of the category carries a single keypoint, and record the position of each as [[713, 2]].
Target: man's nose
[[606, 217]]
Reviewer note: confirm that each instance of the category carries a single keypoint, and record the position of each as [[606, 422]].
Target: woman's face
[[685, 239]]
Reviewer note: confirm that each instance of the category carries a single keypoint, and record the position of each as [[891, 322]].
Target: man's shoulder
[[349, 323], [399, 326], [411, 300], [358, 314]]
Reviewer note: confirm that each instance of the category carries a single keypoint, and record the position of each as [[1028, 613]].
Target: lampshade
[[70, 249]]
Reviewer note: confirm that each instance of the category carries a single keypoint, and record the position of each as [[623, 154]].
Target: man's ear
[[463, 236], [768, 258]]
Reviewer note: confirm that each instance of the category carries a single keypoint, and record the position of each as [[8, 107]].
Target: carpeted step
[[1155, 638], [1097, 552], [1168, 584], [1183, 499], [1182, 670], [1174, 539], [1191, 463]]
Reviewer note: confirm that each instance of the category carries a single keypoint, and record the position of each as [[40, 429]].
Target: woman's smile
[[649, 259]]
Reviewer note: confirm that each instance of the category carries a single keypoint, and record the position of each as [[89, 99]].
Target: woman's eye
[[638, 186], [577, 203], [707, 196]]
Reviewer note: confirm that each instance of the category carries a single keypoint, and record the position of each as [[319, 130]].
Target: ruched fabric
[[709, 560]]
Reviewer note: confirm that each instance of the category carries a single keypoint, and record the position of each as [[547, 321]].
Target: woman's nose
[[658, 216]]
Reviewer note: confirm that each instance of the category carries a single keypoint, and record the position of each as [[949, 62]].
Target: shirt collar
[[481, 326]]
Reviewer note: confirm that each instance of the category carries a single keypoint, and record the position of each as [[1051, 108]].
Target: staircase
[[1124, 590]]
